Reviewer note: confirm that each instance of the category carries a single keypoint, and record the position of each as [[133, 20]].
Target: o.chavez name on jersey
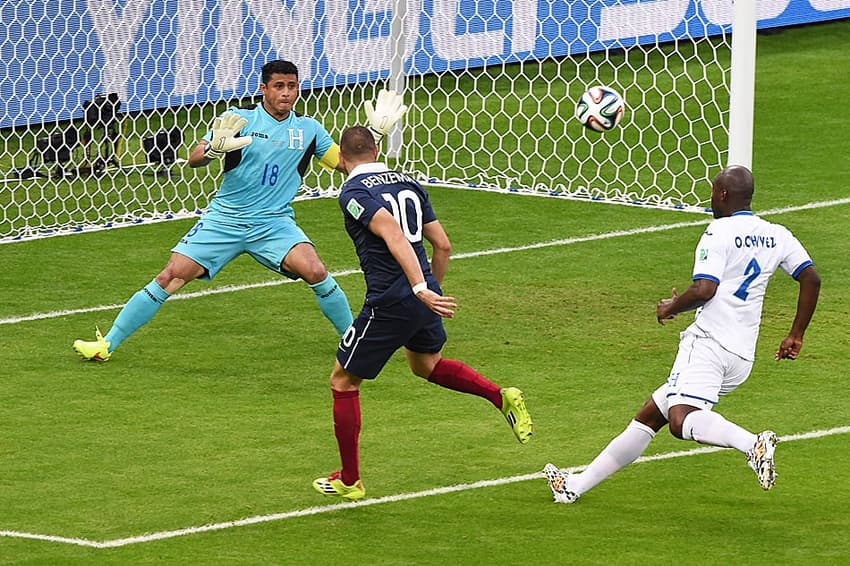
[[753, 241]]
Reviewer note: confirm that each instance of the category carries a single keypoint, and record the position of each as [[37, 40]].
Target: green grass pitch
[[219, 409]]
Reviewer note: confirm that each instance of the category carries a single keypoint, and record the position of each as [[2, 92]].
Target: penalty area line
[[151, 537], [480, 253]]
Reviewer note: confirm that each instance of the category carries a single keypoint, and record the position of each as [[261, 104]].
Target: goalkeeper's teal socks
[[138, 311], [144, 305], [333, 303]]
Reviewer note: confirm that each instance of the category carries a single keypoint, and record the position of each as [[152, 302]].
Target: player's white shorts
[[701, 373]]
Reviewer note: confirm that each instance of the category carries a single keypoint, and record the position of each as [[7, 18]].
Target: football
[[600, 108]]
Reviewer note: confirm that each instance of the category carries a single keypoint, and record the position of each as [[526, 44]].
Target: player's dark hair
[[279, 66], [357, 141]]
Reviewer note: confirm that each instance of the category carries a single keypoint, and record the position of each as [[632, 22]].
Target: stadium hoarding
[[54, 56]]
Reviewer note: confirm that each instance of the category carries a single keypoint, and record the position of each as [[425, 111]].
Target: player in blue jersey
[[266, 148], [734, 260], [387, 215]]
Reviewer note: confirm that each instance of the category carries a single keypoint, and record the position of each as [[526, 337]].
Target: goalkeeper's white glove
[[223, 139], [387, 111]]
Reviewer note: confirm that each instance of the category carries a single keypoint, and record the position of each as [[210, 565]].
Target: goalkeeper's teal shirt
[[262, 178]]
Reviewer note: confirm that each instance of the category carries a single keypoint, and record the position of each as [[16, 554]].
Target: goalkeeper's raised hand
[[224, 130], [388, 110]]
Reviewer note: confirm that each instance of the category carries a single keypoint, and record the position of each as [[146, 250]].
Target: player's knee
[[312, 271], [421, 371], [315, 273], [178, 271], [676, 421], [341, 380], [304, 262], [170, 280], [676, 431], [676, 415], [422, 365], [167, 279], [650, 415]]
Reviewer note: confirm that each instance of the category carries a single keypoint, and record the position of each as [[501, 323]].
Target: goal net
[[102, 100]]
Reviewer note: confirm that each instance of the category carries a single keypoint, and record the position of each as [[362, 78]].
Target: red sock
[[458, 376], [347, 430]]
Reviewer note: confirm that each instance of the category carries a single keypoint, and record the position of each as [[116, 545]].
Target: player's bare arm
[[441, 249], [697, 294], [807, 300], [197, 157], [384, 225]]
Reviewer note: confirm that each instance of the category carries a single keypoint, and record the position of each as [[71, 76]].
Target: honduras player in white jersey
[[266, 148], [734, 260]]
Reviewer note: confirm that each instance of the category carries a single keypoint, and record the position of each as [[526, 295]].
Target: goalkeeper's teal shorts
[[213, 243]]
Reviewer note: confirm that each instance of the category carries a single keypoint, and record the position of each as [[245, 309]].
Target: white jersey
[[740, 253]]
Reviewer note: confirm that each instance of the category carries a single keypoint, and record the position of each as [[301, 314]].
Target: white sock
[[707, 427], [620, 452]]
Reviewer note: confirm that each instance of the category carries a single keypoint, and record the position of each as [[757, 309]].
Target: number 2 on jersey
[[752, 271]]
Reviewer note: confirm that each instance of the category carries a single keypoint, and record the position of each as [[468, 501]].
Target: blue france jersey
[[261, 179], [369, 188]]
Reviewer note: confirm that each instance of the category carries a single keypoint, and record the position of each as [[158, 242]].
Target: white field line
[[551, 243], [402, 497], [150, 537]]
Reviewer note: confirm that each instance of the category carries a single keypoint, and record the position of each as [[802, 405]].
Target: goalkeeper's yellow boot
[[332, 485], [97, 350], [513, 407]]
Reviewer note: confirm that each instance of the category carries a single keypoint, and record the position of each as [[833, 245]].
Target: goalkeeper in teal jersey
[[266, 150]]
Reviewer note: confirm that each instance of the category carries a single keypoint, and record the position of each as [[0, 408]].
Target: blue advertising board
[[161, 53]]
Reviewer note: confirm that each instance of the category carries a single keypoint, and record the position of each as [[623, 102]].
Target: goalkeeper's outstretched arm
[[383, 115], [223, 138], [197, 157]]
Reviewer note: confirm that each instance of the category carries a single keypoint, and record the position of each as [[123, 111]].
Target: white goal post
[[101, 99]]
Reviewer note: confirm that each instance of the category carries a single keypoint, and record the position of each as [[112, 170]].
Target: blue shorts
[[377, 333], [212, 243]]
